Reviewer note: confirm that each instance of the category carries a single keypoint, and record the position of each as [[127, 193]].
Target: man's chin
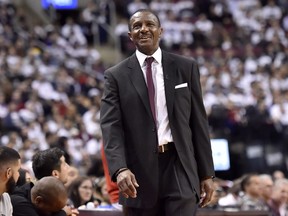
[[145, 48]]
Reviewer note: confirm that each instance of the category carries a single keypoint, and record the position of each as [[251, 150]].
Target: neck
[[2, 189]]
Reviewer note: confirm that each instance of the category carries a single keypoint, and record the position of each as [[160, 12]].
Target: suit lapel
[[169, 80], [138, 81]]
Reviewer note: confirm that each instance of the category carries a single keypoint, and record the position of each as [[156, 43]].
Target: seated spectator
[[266, 185], [48, 195], [250, 185], [80, 193], [51, 162], [24, 177], [9, 166], [279, 198], [278, 174]]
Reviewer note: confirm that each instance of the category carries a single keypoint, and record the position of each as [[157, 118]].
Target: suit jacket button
[[153, 129]]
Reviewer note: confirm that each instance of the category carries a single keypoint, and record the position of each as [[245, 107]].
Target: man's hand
[[207, 189], [127, 184]]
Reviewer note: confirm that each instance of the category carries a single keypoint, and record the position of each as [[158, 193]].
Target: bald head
[[49, 194]]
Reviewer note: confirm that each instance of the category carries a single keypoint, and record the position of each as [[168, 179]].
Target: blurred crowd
[[252, 192], [51, 75]]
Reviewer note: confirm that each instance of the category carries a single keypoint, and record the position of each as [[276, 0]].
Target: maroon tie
[[150, 85]]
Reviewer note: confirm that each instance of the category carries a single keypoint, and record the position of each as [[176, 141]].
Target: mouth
[[145, 37]]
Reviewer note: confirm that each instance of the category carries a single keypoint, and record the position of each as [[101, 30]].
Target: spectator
[[9, 166], [81, 192], [24, 177], [250, 185], [279, 197], [47, 196], [266, 186], [51, 162]]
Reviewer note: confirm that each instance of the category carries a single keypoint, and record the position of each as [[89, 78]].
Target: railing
[[201, 212]]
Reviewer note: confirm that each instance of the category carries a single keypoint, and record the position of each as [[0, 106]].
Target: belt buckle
[[161, 149]]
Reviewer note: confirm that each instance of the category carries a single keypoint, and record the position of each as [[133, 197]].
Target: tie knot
[[149, 61]]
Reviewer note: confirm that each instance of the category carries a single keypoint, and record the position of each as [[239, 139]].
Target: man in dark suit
[[156, 141]]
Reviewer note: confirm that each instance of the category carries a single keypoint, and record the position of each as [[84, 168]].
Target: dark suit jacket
[[129, 132]]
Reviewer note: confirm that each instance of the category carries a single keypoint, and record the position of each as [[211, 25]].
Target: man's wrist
[[208, 177], [119, 171]]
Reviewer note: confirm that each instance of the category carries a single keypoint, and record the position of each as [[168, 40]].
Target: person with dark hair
[[10, 164], [47, 197], [24, 177], [155, 128], [80, 192], [50, 162], [251, 200]]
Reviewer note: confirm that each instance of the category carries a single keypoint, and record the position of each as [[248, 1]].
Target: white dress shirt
[[162, 123]]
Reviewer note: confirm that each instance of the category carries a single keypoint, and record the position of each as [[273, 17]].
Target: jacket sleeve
[[60, 213], [112, 125], [199, 126], [22, 207]]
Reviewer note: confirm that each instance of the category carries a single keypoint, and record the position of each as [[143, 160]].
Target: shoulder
[[178, 58], [17, 199], [5, 199], [5, 204], [122, 65], [23, 190]]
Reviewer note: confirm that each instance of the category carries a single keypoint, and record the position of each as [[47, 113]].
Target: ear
[[129, 35], [38, 201], [160, 32], [55, 173], [8, 173]]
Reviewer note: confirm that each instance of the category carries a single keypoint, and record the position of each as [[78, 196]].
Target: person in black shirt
[[47, 197]]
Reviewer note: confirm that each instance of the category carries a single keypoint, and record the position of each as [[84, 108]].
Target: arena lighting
[[220, 152], [60, 4]]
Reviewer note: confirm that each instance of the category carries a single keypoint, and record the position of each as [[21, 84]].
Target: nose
[[144, 27]]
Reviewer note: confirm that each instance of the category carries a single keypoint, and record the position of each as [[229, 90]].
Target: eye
[[135, 27]]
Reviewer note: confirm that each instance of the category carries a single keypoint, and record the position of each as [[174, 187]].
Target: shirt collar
[[157, 55]]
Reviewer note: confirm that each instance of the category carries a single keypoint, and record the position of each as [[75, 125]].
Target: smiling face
[[145, 31]]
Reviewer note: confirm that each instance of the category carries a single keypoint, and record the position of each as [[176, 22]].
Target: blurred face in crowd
[[145, 31], [253, 187], [266, 186], [280, 192], [86, 190]]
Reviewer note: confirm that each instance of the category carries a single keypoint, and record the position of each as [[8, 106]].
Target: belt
[[166, 147]]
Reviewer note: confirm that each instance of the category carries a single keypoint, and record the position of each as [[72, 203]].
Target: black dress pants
[[177, 196]]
